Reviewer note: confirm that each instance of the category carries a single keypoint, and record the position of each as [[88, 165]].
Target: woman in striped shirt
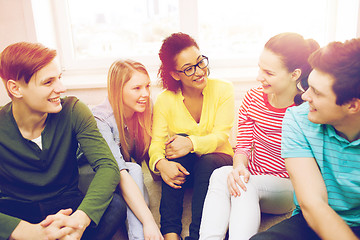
[[258, 181]]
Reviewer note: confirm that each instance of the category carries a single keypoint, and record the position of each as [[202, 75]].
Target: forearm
[[100, 192], [333, 228], [134, 198]]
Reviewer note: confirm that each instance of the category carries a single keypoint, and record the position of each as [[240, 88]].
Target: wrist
[[160, 163], [84, 219], [191, 145]]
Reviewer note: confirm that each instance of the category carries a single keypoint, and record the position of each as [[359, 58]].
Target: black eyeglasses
[[203, 63]]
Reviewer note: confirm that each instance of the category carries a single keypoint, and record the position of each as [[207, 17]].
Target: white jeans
[[265, 193], [134, 226]]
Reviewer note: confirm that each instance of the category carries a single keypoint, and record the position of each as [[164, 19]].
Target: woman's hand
[[151, 231], [173, 173], [238, 177], [178, 146]]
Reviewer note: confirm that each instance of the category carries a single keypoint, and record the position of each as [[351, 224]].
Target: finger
[[239, 179], [182, 169], [47, 221], [67, 211], [246, 176], [170, 140], [171, 184], [179, 182], [233, 188]]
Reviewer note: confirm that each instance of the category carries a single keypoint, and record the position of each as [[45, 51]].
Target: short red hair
[[19, 61]]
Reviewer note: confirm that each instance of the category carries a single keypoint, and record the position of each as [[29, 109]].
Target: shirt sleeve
[[159, 132], [293, 141], [244, 138], [108, 134], [7, 225], [224, 120], [96, 150]]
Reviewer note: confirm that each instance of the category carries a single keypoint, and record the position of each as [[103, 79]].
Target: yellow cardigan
[[210, 135]]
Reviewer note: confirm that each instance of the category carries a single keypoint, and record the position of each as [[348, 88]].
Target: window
[[91, 34]]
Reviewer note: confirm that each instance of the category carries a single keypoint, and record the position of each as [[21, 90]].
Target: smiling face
[[136, 94], [322, 100], [273, 75], [42, 93], [188, 57]]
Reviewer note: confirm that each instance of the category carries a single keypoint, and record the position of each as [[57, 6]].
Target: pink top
[[259, 134]]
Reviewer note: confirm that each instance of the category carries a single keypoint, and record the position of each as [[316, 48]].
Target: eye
[[202, 63], [269, 73], [48, 81], [189, 70]]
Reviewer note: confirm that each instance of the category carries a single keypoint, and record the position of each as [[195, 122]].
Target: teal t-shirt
[[337, 158]]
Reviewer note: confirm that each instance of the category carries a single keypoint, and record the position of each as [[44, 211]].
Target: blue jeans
[[294, 228], [113, 218]]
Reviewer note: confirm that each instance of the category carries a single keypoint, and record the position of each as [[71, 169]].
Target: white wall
[[17, 24]]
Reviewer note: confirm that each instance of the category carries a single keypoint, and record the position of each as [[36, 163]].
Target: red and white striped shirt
[[259, 134]]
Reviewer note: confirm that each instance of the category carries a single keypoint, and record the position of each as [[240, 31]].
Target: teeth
[[54, 99]]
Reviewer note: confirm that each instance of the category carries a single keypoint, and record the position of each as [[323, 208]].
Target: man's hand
[[73, 225], [51, 228], [178, 146], [173, 173]]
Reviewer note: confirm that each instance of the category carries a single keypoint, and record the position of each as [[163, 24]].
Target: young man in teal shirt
[[39, 136], [321, 147]]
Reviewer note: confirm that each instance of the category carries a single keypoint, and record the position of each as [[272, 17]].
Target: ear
[[354, 106], [175, 75], [14, 88], [296, 74]]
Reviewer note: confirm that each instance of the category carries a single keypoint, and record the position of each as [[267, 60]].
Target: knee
[[118, 206], [219, 175]]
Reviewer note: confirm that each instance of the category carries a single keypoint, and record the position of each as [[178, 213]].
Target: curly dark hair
[[172, 46]]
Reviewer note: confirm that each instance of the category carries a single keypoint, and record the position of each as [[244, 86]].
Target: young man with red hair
[[39, 136]]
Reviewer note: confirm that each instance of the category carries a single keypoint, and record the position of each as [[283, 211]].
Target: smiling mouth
[[142, 102], [54, 99], [199, 79]]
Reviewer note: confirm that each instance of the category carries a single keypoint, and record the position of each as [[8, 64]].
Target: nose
[[145, 92], [306, 95], [199, 71], [260, 76], [59, 87]]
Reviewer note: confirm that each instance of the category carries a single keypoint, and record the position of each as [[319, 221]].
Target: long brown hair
[[120, 72]]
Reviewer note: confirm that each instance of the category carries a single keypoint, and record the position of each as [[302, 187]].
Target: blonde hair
[[120, 72]]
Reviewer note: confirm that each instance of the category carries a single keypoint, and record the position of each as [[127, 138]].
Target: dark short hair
[[171, 47], [342, 61], [294, 52]]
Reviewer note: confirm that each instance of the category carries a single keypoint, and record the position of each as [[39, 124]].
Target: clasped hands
[[62, 225], [173, 173]]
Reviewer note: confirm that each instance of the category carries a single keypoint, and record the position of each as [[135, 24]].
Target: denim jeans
[[171, 205], [111, 221], [135, 228], [294, 228]]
